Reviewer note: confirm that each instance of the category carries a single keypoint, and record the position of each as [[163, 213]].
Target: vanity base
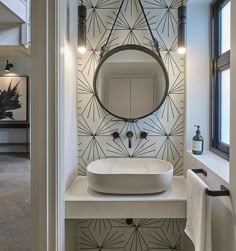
[[82, 202]]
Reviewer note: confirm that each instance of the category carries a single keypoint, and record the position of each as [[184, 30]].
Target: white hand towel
[[198, 226]]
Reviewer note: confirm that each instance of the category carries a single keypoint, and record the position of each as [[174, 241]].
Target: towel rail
[[222, 192], [200, 170], [214, 193]]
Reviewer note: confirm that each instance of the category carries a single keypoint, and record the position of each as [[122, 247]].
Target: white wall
[[10, 34], [69, 92], [197, 111], [15, 22], [18, 7], [197, 94], [233, 111], [68, 119], [22, 66]]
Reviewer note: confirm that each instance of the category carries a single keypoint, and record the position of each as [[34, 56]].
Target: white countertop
[[82, 202]]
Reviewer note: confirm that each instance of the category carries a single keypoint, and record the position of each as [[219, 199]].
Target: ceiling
[[7, 16], [14, 51]]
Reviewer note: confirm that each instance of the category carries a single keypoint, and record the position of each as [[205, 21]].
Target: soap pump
[[198, 141]]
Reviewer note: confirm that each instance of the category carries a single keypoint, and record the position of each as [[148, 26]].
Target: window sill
[[213, 162]]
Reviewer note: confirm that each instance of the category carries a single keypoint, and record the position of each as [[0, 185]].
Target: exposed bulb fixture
[[8, 67], [82, 28], [182, 29], [82, 49], [181, 50]]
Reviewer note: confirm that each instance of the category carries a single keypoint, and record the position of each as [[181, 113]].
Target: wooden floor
[[15, 219]]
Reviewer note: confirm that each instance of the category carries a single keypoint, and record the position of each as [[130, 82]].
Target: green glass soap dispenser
[[198, 141]]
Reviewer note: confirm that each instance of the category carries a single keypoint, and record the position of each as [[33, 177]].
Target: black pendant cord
[[156, 44], [113, 26]]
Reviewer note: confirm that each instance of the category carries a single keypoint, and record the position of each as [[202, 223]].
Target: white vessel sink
[[129, 176]]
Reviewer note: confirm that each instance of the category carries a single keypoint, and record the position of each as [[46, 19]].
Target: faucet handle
[[143, 135], [115, 135]]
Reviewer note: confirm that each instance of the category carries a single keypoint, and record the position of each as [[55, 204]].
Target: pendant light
[[182, 29], [155, 41], [82, 28]]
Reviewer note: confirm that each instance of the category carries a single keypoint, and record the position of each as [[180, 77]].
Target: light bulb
[[82, 49], [181, 50]]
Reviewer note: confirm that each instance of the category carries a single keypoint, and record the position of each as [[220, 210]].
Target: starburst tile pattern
[[165, 127], [141, 235]]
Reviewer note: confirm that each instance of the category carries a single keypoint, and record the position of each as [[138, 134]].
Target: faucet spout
[[129, 135], [130, 143]]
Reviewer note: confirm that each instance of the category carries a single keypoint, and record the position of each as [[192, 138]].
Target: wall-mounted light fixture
[[82, 28], [8, 67], [182, 29]]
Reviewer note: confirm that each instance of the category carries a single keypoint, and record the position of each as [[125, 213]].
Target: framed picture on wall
[[14, 102]]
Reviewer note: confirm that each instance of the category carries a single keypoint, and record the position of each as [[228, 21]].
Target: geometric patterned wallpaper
[[165, 127], [143, 234]]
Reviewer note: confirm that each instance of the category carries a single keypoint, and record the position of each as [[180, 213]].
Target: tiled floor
[[15, 219]]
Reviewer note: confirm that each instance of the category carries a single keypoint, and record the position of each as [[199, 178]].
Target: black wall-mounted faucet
[[143, 135], [130, 135], [115, 135]]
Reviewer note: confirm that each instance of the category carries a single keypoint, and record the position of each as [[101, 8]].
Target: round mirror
[[131, 82]]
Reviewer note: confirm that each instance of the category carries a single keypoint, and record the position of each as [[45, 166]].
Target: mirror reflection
[[131, 84]]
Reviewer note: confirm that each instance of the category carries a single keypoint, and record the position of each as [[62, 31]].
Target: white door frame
[[46, 173], [232, 109]]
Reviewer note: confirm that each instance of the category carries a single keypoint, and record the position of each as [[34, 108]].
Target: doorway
[[15, 132]]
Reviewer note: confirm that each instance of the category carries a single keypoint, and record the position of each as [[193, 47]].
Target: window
[[220, 77]]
